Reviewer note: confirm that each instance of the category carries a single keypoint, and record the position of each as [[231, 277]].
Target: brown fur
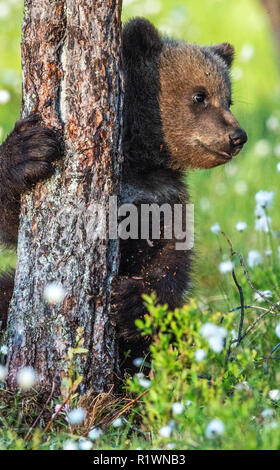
[[201, 133], [166, 131]]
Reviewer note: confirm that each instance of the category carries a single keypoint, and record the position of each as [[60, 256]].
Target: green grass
[[225, 195]]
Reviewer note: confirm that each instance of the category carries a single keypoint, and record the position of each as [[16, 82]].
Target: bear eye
[[199, 97]]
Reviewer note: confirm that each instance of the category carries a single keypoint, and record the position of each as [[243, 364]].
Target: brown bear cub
[[176, 116]]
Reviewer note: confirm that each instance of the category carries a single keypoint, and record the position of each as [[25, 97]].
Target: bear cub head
[[193, 89]]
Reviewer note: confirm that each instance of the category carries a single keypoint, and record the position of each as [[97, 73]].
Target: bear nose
[[238, 137]]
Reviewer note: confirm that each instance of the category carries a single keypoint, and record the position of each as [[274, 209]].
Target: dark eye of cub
[[199, 97]]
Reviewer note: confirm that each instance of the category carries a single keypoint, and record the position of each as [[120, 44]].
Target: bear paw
[[29, 152]]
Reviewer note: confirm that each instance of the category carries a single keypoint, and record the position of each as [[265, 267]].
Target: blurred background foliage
[[226, 194], [243, 392]]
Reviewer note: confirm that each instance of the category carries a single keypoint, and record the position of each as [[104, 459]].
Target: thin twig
[[259, 318], [57, 412], [245, 270], [274, 349], [255, 307], [240, 290]]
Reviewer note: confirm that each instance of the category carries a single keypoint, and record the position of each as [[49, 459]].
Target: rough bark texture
[[70, 54], [273, 9]]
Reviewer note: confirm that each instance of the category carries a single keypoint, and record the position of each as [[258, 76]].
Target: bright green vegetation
[[215, 386]]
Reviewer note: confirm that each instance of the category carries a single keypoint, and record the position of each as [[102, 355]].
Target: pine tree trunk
[[273, 9], [71, 60]]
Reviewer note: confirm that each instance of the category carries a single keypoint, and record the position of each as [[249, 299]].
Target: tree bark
[[71, 67], [273, 9]]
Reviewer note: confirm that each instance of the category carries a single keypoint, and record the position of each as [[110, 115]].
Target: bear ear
[[225, 51], [141, 38]]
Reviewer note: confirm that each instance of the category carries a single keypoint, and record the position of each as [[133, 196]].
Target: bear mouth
[[237, 149], [225, 156]]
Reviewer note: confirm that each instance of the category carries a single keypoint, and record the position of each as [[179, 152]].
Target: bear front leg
[[26, 157], [168, 275]]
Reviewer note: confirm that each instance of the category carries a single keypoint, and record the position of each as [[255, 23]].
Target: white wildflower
[[70, 445], [208, 330], [272, 123], [151, 8], [277, 330], [54, 293], [138, 361], [215, 336], [272, 425], [277, 150], [226, 267], [241, 187], [278, 167], [259, 211], [3, 373], [200, 355], [76, 416], [237, 73], [231, 169], [4, 349], [265, 293], [243, 387], [216, 343], [172, 424], [262, 148], [241, 226], [264, 198], [85, 444], [215, 428], [15, 2], [188, 403], [204, 204], [216, 228], [165, 431], [95, 433], [263, 224], [247, 52], [171, 446], [117, 423], [4, 96], [267, 413], [178, 408], [26, 378], [254, 258], [5, 10], [274, 394], [268, 252], [145, 383], [234, 335]]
